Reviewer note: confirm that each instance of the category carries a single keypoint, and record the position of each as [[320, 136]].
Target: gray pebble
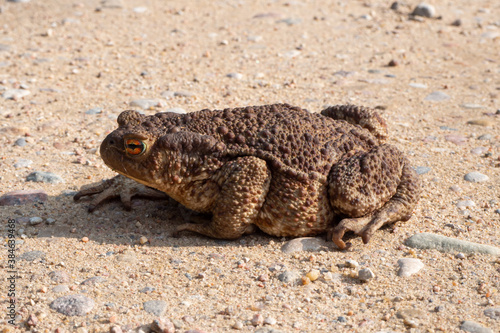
[[183, 94], [304, 244], [485, 137], [155, 307], [93, 281], [32, 255], [45, 177], [237, 76], [473, 327], [93, 111], [21, 142], [291, 277], [73, 305], [15, 94], [35, 220], [472, 106], [421, 170], [493, 313], [476, 177], [427, 240], [418, 85], [342, 319], [290, 21], [176, 110], [60, 288], [447, 128], [50, 221], [365, 274], [22, 163], [460, 255], [497, 211], [147, 290], [437, 96], [479, 150], [463, 204], [146, 103], [409, 266], [425, 10], [59, 276]]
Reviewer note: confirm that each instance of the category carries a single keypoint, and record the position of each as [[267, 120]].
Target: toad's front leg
[[372, 189], [118, 187], [244, 186]]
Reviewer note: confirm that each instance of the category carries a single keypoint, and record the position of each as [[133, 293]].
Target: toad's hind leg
[[372, 189], [244, 186]]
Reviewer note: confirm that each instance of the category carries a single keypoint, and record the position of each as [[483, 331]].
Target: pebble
[[93, 111], [183, 94], [441, 243], [472, 106], [269, 321], [476, 177], [115, 329], [15, 94], [291, 54], [473, 327], [481, 122], [16, 198], [139, 10], [493, 313], [460, 255], [425, 10], [32, 320], [290, 21], [463, 204], [73, 305], [32, 255], [485, 137], [147, 290], [365, 274], [422, 170], [94, 280], [312, 244], [409, 266], [35, 220], [162, 325], [237, 76], [257, 320], [418, 85], [455, 188], [437, 96], [22, 163], [21, 142], [479, 150], [45, 177], [175, 110], [291, 277], [146, 103], [155, 307], [60, 288], [59, 276], [351, 264], [459, 140]]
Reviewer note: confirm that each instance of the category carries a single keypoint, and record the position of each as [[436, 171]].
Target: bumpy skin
[[278, 167]]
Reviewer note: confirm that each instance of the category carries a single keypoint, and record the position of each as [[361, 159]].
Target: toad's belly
[[295, 208]]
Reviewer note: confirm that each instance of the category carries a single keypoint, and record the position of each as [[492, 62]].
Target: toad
[[280, 168]]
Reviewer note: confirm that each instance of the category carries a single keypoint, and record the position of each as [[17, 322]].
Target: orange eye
[[135, 147]]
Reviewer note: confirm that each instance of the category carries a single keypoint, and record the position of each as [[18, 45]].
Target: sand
[[436, 83]]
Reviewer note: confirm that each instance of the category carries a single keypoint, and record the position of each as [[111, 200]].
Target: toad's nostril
[[111, 142]]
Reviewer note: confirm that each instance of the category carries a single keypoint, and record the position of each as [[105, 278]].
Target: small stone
[[93, 111], [115, 329], [409, 266], [32, 255], [44, 177], [155, 307], [73, 305], [473, 327], [418, 85], [20, 197], [424, 10], [59, 276], [342, 319], [291, 277], [395, 5], [183, 94], [269, 321], [176, 110], [35, 220], [94, 281], [32, 320], [365, 274], [143, 240], [463, 204], [455, 188], [459, 140], [238, 325], [21, 142], [485, 137], [481, 122], [237, 76], [422, 170], [479, 150], [15, 94], [476, 177], [162, 325], [257, 320], [60, 288], [85, 239], [456, 23], [472, 106], [291, 54], [22, 163], [146, 104], [493, 313], [313, 275], [304, 244], [437, 96], [351, 264], [427, 240], [460, 256], [290, 21], [139, 10], [147, 290]]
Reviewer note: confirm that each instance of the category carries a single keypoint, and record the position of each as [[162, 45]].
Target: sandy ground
[[74, 56]]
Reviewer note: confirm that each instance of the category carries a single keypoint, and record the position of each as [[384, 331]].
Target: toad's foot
[[118, 186], [372, 189]]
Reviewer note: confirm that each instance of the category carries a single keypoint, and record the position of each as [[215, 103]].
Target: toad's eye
[[135, 147]]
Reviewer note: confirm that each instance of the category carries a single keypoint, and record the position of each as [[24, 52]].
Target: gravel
[[446, 244], [44, 177], [73, 305]]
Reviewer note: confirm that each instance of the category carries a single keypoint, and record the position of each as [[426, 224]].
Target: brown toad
[[278, 167]]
